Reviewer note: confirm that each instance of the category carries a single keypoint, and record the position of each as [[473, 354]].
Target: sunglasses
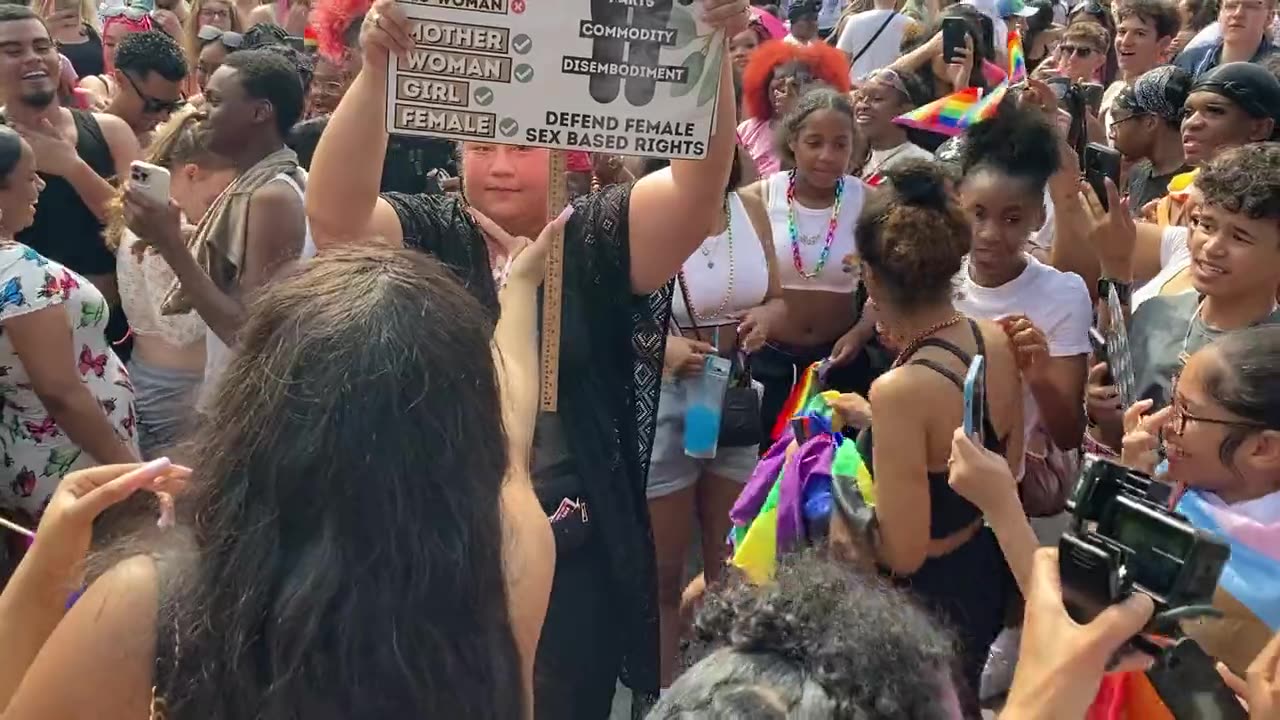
[[131, 12], [889, 77], [152, 105], [1079, 51], [209, 33]]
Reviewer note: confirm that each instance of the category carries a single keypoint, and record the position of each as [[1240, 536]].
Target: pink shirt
[[757, 137]]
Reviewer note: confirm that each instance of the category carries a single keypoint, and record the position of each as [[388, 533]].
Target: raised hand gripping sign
[[629, 77]]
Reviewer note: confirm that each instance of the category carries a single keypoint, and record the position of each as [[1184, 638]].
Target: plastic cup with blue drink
[[704, 401]]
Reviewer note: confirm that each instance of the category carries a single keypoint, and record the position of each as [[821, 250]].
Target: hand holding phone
[[954, 31], [1101, 162]]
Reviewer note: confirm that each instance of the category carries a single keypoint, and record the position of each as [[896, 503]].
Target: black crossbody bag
[[740, 424]]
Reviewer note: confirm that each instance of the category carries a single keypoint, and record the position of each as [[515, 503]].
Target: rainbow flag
[[986, 107], [790, 492], [1248, 593], [1017, 59], [945, 116], [801, 393]]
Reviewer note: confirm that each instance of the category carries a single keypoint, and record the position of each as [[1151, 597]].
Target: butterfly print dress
[[34, 452]]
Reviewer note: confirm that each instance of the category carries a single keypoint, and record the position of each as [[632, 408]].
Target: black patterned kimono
[[590, 459]]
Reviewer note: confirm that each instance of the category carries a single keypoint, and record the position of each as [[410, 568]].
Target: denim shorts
[[670, 469], [166, 399]]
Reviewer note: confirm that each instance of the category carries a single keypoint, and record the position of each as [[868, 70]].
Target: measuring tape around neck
[[553, 286]]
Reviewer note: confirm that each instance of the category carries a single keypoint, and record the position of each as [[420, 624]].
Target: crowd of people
[[281, 455]]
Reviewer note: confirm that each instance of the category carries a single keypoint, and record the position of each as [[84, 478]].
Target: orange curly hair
[[330, 19], [825, 63]]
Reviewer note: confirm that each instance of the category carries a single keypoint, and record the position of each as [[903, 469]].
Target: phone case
[[975, 387], [1188, 684]]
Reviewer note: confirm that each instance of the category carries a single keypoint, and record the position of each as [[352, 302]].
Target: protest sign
[[628, 77]]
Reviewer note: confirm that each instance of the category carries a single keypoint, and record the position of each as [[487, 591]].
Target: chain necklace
[[728, 293], [795, 233], [914, 345]]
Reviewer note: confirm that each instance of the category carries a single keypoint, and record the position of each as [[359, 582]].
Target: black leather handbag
[[740, 424]]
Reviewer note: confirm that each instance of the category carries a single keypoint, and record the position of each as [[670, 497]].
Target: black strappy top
[[948, 511]]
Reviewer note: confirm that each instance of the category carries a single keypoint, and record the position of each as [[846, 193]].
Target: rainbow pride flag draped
[[1017, 59], [801, 393], [1248, 591], [788, 500]]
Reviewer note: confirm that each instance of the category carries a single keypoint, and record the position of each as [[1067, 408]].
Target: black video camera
[[1123, 538]]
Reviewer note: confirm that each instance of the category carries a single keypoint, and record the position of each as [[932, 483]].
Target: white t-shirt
[[857, 32], [1057, 302], [1174, 258]]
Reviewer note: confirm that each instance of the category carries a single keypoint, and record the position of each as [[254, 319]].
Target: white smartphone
[[152, 180]]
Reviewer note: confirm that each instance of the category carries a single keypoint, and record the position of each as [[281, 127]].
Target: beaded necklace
[[795, 233]]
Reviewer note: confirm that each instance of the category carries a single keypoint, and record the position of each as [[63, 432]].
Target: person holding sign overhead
[[623, 244]]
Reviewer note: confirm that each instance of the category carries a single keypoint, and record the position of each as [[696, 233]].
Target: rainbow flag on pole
[[1017, 60]]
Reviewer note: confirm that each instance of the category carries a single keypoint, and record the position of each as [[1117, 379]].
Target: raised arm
[[673, 211], [346, 170]]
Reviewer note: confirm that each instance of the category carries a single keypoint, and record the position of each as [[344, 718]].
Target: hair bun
[[919, 183]]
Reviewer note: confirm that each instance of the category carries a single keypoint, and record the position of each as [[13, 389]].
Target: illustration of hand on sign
[[650, 26]]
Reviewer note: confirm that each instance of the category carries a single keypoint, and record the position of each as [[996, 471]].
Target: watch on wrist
[[1124, 290]]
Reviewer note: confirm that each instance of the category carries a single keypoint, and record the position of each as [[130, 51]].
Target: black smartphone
[[954, 30], [1101, 162], [1100, 354], [1188, 684], [1093, 96]]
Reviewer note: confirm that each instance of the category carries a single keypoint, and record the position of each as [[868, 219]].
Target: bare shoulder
[[106, 643], [907, 389]]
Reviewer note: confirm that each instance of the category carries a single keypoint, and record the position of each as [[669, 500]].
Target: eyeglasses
[[1179, 417], [1079, 51], [152, 105], [209, 33], [214, 13]]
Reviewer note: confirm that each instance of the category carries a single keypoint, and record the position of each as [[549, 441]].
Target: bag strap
[[872, 41], [688, 305]]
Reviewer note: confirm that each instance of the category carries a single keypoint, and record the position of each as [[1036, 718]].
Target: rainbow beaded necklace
[[795, 233]]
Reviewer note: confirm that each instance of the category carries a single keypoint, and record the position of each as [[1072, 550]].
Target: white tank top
[[727, 274], [811, 232], [217, 354]]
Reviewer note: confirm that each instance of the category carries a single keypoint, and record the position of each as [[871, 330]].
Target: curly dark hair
[[819, 642], [1016, 142], [1244, 180], [912, 235], [151, 52], [815, 98]]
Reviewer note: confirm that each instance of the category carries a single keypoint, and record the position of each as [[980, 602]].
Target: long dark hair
[[345, 521]]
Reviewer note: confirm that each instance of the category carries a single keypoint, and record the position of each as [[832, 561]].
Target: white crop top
[[811, 231], [143, 285], [727, 274]]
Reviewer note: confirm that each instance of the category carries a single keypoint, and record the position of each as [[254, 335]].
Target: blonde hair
[[192, 30], [88, 12], [177, 142]]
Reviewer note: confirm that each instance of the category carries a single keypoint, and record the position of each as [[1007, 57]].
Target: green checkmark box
[[524, 73]]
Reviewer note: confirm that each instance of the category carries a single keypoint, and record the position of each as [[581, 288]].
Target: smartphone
[[297, 43], [1093, 96], [954, 30], [1100, 355], [975, 392], [152, 180], [1188, 684], [1101, 162]]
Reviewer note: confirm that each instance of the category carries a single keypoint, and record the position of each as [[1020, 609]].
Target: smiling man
[[150, 68], [77, 154], [1243, 25]]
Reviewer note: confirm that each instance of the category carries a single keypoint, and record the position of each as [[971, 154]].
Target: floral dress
[[35, 453]]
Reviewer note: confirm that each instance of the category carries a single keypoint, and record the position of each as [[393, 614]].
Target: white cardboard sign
[[629, 77]]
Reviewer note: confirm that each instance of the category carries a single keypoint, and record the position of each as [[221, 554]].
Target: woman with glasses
[[1220, 434], [216, 15], [884, 95]]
